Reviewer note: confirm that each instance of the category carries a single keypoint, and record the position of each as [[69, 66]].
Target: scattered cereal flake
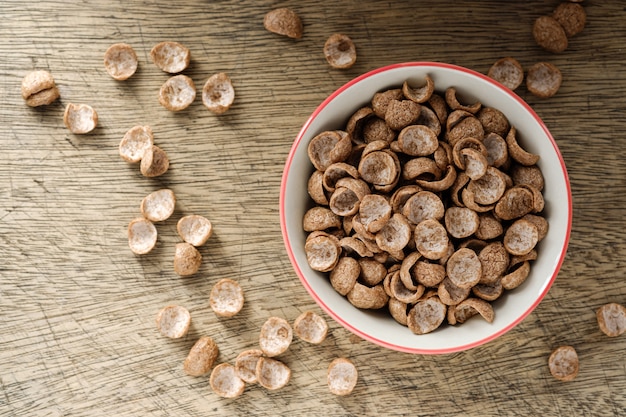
[[508, 72], [543, 79], [187, 259], [310, 327], [225, 382], [39, 88], [171, 57], [135, 142], [142, 236], [563, 363], [120, 61], [339, 51], [612, 319], [194, 229], [177, 93], [173, 321], [201, 357], [159, 205], [226, 298], [245, 364], [342, 376], [549, 34], [272, 373], [218, 93], [276, 336], [283, 21], [80, 118], [154, 162], [571, 16]]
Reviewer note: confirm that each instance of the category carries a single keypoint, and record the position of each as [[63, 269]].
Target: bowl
[[378, 326]]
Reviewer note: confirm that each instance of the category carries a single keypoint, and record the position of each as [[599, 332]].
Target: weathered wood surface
[[77, 333]]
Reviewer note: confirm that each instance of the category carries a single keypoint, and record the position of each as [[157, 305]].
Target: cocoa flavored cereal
[[218, 93], [432, 219], [563, 363], [159, 205], [142, 236], [571, 16], [39, 88], [194, 229], [225, 382], [310, 327], [271, 373], [612, 319], [154, 162], [342, 376], [543, 79], [187, 259], [171, 57], [276, 336], [80, 118], [177, 93], [120, 61], [283, 21], [201, 357], [226, 298], [508, 72], [549, 34], [173, 321], [136, 141], [339, 51]]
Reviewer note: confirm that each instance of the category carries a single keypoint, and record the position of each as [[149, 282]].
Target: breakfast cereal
[[142, 236], [120, 61], [170, 57], [310, 327], [339, 51], [80, 118], [571, 16], [271, 373], [225, 382], [283, 21], [342, 376], [276, 336], [508, 72], [612, 319], [543, 79], [187, 259], [177, 93], [201, 357], [549, 34], [433, 222], [226, 298], [173, 321], [39, 88], [154, 162], [218, 93], [245, 364], [136, 141], [563, 363], [194, 229], [159, 205]]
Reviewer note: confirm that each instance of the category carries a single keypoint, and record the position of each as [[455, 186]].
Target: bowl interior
[[378, 326]]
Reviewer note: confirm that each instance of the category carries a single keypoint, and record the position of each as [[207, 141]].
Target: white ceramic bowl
[[377, 326]]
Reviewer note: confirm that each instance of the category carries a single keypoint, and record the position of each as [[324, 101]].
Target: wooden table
[[77, 308]]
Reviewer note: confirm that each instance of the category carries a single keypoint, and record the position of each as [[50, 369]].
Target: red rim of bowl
[[325, 307]]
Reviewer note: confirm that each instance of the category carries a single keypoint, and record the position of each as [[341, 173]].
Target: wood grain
[[77, 309]]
